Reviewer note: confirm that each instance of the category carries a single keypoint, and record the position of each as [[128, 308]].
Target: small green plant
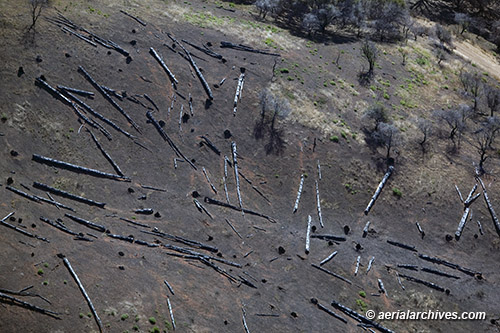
[[124, 316], [284, 70], [135, 328], [45, 265], [4, 117], [348, 186], [65, 282], [40, 271], [152, 320], [290, 78], [362, 294], [397, 192], [81, 315], [334, 138], [137, 318], [362, 305], [155, 329], [89, 315], [386, 95], [45, 283]]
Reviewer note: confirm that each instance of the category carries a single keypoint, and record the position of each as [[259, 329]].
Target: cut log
[[241, 47], [232, 227], [171, 76], [16, 301], [381, 287], [202, 209], [68, 195], [308, 234], [459, 194], [425, 283], [331, 313], [379, 189], [365, 229], [358, 259], [82, 289], [239, 88], [490, 207], [319, 171], [331, 273], [203, 49], [327, 259], [76, 91], [97, 114], [22, 231], [169, 287], [334, 238], [108, 98], [353, 314], [236, 176], [141, 22], [23, 194], [318, 204], [419, 228], [63, 228], [403, 246], [438, 261], [106, 155], [165, 137], [370, 263], [86, 223], [299, 193], [171, 313], [436, 272], [210, 145], [248, 211], [461, 225]]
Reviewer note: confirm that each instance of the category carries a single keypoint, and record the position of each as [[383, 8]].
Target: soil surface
[[273, 279]]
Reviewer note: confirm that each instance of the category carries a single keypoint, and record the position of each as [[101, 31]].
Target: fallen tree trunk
[[86, 223], [239, 88], [171, 76], [22, 231], [106, 155], [299, 193], [353, 314], [17, 301], [490, 207], [241, 47], [108, 98], [219, 203], [379, 189], [134, 17], [318, 204], [68, 195], [82, 289], [236, 176], [165, 137]]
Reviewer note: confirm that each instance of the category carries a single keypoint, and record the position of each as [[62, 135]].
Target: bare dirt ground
[[477, 56], [125, 280]]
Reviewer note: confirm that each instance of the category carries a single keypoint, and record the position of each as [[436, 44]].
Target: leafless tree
[[272, 107], [492, 98], [484, 139], [443, 35], [388, 136], [36, 7], [464, 21], [369, 52], [425, 127], [377, 114], [456, 120], [472, 84]]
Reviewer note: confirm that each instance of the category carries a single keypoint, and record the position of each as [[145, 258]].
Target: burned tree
[[456, 120], [484, 139], [369, 52], [443, 35], [376, 114], [492, 98], [464, 21], [266, 6], [425, 127], [472, 83], [272, 108], [36, 7], [388, 136]]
